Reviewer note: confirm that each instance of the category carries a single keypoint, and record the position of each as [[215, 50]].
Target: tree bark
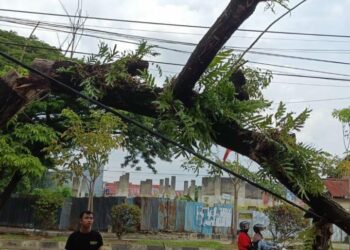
[[233, 16], [323, 235], [11, 186], [16, 92], [14, 96], [91, 195]]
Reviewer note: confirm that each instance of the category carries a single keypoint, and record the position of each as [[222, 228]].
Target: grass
[[212, 244], [185, 243], [31, 237], [339, 246], [216, 245]]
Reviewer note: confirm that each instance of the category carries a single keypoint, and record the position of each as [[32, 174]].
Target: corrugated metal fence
[[157, 214]]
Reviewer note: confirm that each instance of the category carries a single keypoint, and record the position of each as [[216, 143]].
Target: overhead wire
[[196, 34], [274, 72], [140, 38], [178, 64], [151, 131], [318, 100], [157, 173], [172, 24], [277, 82], [311, 84], [137, 37]]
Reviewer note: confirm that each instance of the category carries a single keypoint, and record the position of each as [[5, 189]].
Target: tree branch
[[233, 16]]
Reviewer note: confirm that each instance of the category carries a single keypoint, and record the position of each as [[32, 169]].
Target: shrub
[[126, 218], [285, 222], [46, 207]]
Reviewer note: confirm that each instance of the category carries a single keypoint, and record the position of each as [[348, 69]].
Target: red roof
[[339, 188]]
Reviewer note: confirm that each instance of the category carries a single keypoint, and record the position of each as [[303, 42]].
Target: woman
[[244, 242], [258, 240]]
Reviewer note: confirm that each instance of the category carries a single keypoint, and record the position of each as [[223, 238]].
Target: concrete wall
[[220, 190], [123, 185]]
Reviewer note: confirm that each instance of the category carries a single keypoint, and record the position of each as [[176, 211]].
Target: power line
[[151, 131], [116, 40], [277, 82], [280, 74], [296, 68], [178, 64], [148, 173], [172, 24], [292, 57], [314, 77], [311, 84], [191, 33], [319, 100], [193, 44], [137, 37]]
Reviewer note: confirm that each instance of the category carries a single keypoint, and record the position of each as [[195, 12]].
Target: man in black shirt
[[85, 238]]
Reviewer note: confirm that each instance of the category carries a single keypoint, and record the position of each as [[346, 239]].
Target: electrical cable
[[62, 25], [173, 24], [191, 33], [280, 74], [319, 100], [177, 64], [140, 38]]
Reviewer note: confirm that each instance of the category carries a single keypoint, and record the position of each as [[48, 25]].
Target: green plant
[[285, 222], [46, 206], [84, 148], [126, 218]]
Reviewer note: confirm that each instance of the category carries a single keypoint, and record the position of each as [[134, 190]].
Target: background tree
[[285, 222], [343, 166], [19, 161], [126, 218], [84, 148], [343, 115], [22, 141]]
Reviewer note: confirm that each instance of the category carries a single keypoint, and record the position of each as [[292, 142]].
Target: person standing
[[244, 242], [85, 238]]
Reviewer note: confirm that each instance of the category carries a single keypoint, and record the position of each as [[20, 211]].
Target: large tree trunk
[[235, 13], [11, 186], [132, 96], [91, 196], [14, 95], [323, 235]]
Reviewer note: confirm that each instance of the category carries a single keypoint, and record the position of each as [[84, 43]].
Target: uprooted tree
[[199, 107]]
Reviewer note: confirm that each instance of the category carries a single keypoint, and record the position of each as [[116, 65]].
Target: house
[[339, 189]]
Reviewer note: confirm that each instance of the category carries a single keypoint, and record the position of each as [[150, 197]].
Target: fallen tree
[[131, 95]]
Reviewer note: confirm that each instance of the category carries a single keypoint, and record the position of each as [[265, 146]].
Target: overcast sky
[[326, 17]]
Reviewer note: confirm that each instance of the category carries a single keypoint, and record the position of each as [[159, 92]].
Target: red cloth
[[243, 241], [228, 151]]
